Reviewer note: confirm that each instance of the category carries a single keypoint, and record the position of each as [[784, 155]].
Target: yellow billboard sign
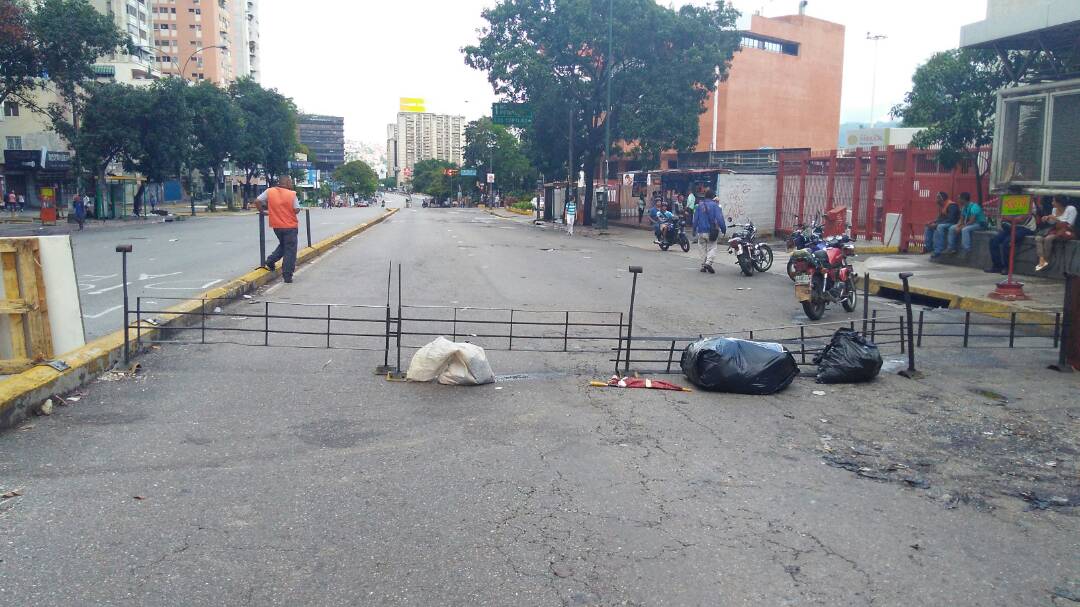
[[1015, 205], [411, 104]]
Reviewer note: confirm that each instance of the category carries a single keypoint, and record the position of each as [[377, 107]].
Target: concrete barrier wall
[[749, 197]]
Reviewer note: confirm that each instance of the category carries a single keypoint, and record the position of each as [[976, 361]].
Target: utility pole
[[873, 86], [570, 158], [607, 118]]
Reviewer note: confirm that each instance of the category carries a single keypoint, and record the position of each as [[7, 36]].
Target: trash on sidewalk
[[723, 364], [450, 363], [849, 358], [639, 382]]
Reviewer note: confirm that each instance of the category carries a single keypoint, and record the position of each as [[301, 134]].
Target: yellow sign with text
[[1015, 205], [411, 104]]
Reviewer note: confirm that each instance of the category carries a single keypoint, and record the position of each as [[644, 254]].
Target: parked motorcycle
[[749, 254], [804, 236], [825, 276], [676, 234]]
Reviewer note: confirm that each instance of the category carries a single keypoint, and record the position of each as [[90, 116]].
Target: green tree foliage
[[70, 35], [429, 177], [492, 146], [216, 124], [268, 139], [111, 129], [389, 182], [357, 177], [954, 96], [165, 133], [20, 61], [554, 56]]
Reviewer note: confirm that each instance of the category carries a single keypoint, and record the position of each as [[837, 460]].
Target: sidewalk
[[963, 287]]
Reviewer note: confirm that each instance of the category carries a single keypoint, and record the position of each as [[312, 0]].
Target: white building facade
[[245, 38], [425, 136]]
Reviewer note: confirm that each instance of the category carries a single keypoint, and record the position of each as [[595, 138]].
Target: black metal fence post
[[307, 224], [865, 301], [635, 270], [262, 237], [123, 250], [910, 372], [1067, 327], [399, 320]]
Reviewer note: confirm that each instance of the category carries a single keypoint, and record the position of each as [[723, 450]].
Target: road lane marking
[[152, 276], [107, 289], [96, 277], [93, 316]]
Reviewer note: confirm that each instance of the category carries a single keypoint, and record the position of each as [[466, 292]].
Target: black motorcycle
[[676, 234], [804, 237], [749, 254]]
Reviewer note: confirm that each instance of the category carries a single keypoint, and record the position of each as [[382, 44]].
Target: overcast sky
[[355, 58]]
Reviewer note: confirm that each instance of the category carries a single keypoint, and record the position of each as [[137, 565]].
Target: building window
[[13, 143], [11, 109], [785, 47], [1022, 148]]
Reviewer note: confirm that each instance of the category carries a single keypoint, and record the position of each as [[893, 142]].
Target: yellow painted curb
[[19, 393], [876, 250], [979, 305]]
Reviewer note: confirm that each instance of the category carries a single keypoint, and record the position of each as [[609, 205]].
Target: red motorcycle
[[825, 276]]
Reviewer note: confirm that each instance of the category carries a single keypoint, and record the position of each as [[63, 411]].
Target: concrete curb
[[980, 305], [21, 394]]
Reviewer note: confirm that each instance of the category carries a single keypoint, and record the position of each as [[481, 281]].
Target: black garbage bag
[[722, 364], [848, 359]]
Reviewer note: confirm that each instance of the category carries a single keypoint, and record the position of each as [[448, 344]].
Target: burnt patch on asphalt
[[333, 433]]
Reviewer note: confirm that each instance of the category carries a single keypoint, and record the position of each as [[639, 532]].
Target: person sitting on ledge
[[1060, 225]]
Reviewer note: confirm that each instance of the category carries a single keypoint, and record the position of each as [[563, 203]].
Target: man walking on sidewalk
[[570, 210], [708, 225], [282, 207]]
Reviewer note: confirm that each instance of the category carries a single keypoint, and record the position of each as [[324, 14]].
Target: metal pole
[[1012, 329], [910, 372], [266, 323], [262, 238], [618, 354], [138, 323], [124, 249], [202, 325], [967, 327], [385, 368], [635, 270], [399, 319], [919, 341], [865, 301], [307, 224], [607, 118], [1067, 327]]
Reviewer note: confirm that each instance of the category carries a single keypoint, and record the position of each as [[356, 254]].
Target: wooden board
[[25, 305]]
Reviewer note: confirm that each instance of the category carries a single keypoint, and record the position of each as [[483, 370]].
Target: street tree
[[389, 182], [356, 177], [216, 124], [493, 148], [165, 134], [111, 128], [429, 177], [20, 61], [554, 56], [267, 140], [954, 96]]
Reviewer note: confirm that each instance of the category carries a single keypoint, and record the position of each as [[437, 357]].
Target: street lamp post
[[607, 118], [183, 76], [873, 82]]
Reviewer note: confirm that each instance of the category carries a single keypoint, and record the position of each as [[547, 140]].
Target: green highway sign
[[511, 114], [468, 172]]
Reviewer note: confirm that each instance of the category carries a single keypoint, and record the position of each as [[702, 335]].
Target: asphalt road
[[178, 259], [281, 476]]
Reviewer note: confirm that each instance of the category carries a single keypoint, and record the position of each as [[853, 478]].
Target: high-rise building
[[135, 18], [194, 39], [425, 136], [245, 38], [391, 150], [324, 136]]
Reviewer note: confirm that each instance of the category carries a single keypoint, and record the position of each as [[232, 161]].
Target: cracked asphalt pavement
[[231, 475]]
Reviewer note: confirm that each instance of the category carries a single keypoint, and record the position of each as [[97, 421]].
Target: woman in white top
[[1061, 227]]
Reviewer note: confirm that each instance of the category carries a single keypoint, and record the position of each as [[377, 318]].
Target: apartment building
[[391, 150], [194, 39], [133, 17], [425, 136], [245, 38], [325, 137]]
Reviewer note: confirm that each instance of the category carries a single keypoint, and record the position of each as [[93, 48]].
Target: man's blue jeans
[[965, 236], [999, 245], [656, 229], [935, 237]]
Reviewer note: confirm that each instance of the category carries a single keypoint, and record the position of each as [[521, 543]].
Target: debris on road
[[10, 494], [639, 382], [46, 407], [450, 363], [739, 366], [848, 359]]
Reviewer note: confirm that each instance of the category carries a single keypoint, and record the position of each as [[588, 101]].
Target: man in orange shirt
[[282, 207]]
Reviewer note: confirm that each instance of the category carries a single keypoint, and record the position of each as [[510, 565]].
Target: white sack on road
[[450, 363]]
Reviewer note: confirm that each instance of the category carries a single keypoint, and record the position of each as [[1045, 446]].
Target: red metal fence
[[871, 183]]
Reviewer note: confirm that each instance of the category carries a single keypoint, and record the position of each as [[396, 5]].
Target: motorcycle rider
[[667, 219], [708, 225]]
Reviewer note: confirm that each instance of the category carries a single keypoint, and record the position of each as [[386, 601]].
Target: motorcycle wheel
[[851, 296], [815, 308], [746, 265], [664, 246], [791, 269], [684, 243], [763, 259]]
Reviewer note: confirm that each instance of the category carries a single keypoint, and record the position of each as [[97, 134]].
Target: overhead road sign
[[512, 114], [468, 172]]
